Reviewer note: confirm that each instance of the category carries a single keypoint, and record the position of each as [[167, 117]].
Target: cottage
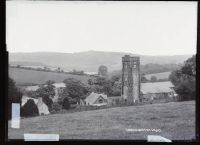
[[95, 99], [157, 91]]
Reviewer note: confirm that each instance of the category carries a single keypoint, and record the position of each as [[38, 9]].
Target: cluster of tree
[[14, 95], [110, 87], [184, 79], [72, 93]]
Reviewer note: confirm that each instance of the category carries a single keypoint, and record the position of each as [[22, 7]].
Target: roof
[[26, 98], [156, 87], [94, 96]]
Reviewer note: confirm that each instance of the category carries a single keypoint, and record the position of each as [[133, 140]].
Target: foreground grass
[[176, 120]]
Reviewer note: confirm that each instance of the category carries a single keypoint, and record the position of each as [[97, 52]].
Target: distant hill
[[88, 61]]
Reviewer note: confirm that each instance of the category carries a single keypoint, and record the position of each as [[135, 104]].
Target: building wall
[[157, 97], [130, 78]]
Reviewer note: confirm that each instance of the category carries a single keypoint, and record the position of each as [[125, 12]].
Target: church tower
[[130, 79]]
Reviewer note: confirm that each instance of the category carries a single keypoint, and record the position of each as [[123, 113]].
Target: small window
[[100, 101]]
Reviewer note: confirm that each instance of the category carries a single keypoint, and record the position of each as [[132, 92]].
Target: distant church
[[130, 79]]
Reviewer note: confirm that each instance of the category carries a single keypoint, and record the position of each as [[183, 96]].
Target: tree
[[29, 109], [184, 79], [102, 85], [90, 82], [66, 103], [14, 95], [75, 89], [116, 88], [102, 70], [47, 92], [143, 78], [153, 78]]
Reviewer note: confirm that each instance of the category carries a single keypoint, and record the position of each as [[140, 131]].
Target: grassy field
[[176, 120], [163, 75], [22, 76]]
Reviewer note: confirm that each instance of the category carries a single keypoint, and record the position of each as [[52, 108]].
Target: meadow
[[175, 120], [24, 76]]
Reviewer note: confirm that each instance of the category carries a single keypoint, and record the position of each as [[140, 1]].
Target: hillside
[[176, 120], [164, 75], [88, 61], [22, 76]]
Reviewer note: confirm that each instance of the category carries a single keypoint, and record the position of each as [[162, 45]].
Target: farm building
[[157, 92], [95, 99]]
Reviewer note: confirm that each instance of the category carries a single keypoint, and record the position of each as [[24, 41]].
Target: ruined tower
[[130, 79]]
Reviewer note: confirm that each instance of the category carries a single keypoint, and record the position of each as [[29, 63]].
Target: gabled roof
[[94, 96], [157, 87]]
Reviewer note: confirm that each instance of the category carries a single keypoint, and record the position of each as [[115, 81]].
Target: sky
[[146, 28]]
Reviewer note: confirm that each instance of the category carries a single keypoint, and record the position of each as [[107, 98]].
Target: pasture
[[23, 76], [163, 75], [176, 120]]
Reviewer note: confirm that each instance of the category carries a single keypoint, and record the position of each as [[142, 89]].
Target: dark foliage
[[75, 89], [65, 103], [102, 70], [29, 109], [14, 95], [184, 80], [56, 107]]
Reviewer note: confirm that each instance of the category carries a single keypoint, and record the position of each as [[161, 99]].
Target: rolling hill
[[88, 61]]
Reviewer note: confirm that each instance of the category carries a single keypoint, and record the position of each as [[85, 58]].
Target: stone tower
[[130, 79]]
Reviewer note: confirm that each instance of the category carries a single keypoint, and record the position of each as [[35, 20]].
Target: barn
[[157, 92]]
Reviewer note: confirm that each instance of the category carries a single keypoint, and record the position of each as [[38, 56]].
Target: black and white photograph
[[101, 70]]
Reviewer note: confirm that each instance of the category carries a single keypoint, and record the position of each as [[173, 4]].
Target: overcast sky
[[148, 28]]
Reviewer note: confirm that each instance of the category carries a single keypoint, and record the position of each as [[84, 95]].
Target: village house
[[95, 99], [157, 92]]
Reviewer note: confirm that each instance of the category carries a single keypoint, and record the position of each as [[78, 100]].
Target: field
[[22, 76], [176, 120], [163, 75]]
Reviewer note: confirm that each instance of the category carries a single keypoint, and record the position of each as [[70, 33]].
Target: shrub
[[29, 109], [65, 103], [14, 95], [56, 107], [47, 101]]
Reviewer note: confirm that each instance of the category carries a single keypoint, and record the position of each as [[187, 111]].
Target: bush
[[65, 103], [14, 96], [56, 107], [29, 109], [48, 102]]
